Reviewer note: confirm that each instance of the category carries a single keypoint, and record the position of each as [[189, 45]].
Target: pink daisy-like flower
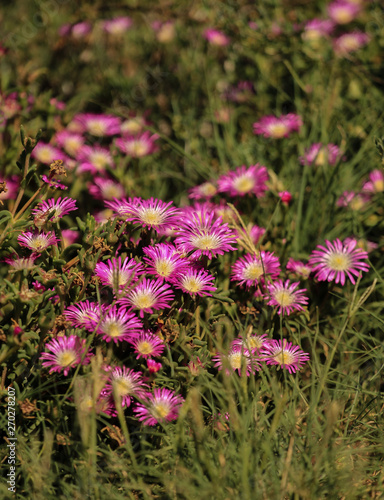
[[106, 189], [252, 343], [368, 246], [319, 155], [122, 207], [70, 142], [125, 383], [53, 210], [84, 314], [37, 241], [338, 261], [285, 355], [343, 12], [299, 268], [65, 353], [375, 183], [204, 191], [278, 127], [350, 42], [118, 25], [253, 269], [160, 407], [45, 153], [98, 125], [216, 37], [244, 181], [53, 183], [153, 366], [153, 213], [202, 234], [119, 274], [237, 358], [195, 282], [146, 345], [81, 30], [148, 296], [94, 159], [285, 297], [21, 263], [117, 324], [138, 146], [164, 261], [134, 125], [315, 29]]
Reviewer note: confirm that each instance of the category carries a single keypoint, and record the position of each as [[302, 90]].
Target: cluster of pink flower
[[116, 26], [371, 187], [340, 13]]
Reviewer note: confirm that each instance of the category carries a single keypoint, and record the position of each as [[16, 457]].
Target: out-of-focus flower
[[216, 37], [125, 383], [70, 142], [153, 366], [285, 297], [316, 29], [45, 153], [118, 25], [278, 127], [237, 358], [285, 355], [94, 159], [343, 12], [98, 125], [375, 183], [350, 42], [65, 353], [243, 180], [286, 197], [204, 191], [299, 268], [319, 154], [138, 146]]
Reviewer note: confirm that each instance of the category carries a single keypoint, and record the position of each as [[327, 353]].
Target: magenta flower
[[244, 181], [254, 269], [106, 189], [66, 353], [255, 233], [84, 314], [285, 197], [277, 127], [123, 207], [37, 242], [70, 142], [202, 235], [216, 37], [134, 125], [138, 146], [285, 355], [125, 384], [81, 30], [153, 213], [237, 358], [375, 183], [195, 282], [53, 183], [350, 42], [319, 155], [53, 210], [343, 12], [94, 159], [117, 324], [118, 25], [338, 261], [164, 261], [160, 407], [148, 296], [146, 345], [315, 29], [98, 125], [285, 297], [153, 366], [119, 274], [45, 153], [299, 268], [21, 263], [252, 343], [204, 191]]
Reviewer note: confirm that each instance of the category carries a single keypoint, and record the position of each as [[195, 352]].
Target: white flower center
[[284, 297], [44, 155], [38, 243], [151, 216], [339, 261], [99, 160], [96, 127], [253, 271], [284, 358], [123, 386], [206, 242], [164, 267], [277, 130], [192, 284], [235, 360], [66, 358], [208, 189], [113, 329], [72, 145], [143, 300], [244, 184]]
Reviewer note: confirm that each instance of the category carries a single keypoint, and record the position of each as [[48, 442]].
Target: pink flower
[[123, 207], [125, 383], [202, 235], [285, 297], [70, 142], [37, 241], [98, 125], [216, 37], [164, 261], [12, 185], [66, 353], [119, 274], [375, 183], [117, 324], [284, 355], [277, 127], [160, 407], [350, 42], [106, 189], [299, 268], [252, 343], [53, 210], [285, 197], [94, 159], [148, 296], [204, 191], [237, 358], [45, 153], [195, 282], [53, 184], [138, 146], [153, 366], [21, 263], [147, 344], [319, 154], [254, 269], [343, 12], [81, 30], [84, 314], [118, 25], [153, 213], [244, 181], [337, 261], [317, 29]]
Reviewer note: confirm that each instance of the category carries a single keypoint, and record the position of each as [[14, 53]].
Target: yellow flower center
[[339, 262], [132, 126], [208, 189], [160, 410], [144, 301], [151, 216], [96, 128], [72, 145], [254, 342], [123, 386], [144, 347], [379, 185], [244, 184], [284, 358], [139, 149], [342, 16], [111, 191], [284, 298], [164, 267], [113, 330], [66, 358], [206, 242], [99, 160], [320, 158], [38, 243], [253, 271], [277, 130], [192, 284], [349, 43], [44, 155], [235, 360]]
